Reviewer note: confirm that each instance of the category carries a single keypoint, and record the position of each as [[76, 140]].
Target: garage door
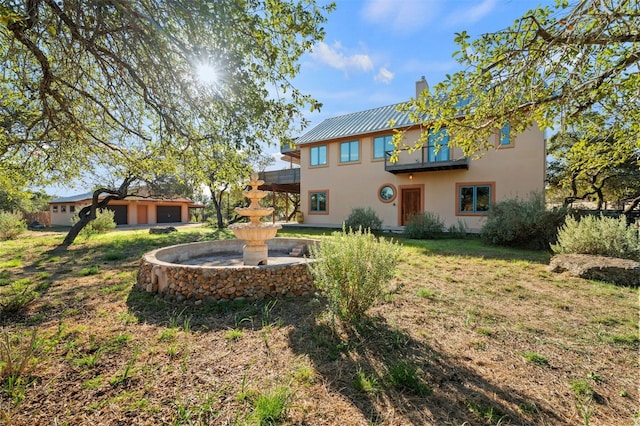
[[168, 214], [119, 214]]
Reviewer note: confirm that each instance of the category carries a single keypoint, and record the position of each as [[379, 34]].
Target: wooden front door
[[411, 203], [142, 215]]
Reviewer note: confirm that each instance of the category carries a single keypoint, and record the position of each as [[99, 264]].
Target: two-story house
[[344, 163]]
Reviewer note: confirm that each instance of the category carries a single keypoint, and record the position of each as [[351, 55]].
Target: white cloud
[[384, 76], [403, 17], [471, 14], [335, 57]]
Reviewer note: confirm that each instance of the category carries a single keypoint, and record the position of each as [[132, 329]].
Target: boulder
[[166, 230], [609, 269]]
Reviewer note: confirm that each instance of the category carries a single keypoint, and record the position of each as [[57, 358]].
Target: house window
[[349, 152], [55, 209], [474, 198], [381, 145], [63, 209], [319, 155], [504, 137], [72, 209], [387, 193], [318, 202], [438, 146]]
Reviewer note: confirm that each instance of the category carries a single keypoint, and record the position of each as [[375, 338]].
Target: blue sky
[[375, 50]]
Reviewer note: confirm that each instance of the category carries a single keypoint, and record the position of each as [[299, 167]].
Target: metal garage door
[[119, 214], [168, 214]]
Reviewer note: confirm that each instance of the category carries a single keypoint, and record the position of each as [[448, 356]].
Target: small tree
[[351, 269]]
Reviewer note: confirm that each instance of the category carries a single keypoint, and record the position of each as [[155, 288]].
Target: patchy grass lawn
[[467, 334]]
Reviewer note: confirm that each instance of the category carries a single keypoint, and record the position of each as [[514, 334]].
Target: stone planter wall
[[158, 273]]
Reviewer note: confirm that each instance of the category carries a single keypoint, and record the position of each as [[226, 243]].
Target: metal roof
[[357, 123]]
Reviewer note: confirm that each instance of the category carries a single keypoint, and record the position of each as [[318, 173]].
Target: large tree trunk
[[216, 199], [88, 213]]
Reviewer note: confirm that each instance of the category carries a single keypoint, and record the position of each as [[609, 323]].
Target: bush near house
[[422, 226], [523, 223], [599, 235], [103, 222], [351, 269], [11, 225], [363, 218]]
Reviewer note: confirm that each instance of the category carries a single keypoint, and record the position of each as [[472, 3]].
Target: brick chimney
[[421, 85]]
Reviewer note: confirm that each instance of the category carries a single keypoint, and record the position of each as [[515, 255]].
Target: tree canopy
[[553, 66], [89, 82]]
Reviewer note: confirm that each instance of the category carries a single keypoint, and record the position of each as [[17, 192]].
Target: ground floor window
[[475, 198], [318, 202]]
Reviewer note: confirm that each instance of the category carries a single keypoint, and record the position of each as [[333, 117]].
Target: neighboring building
[[130, 211], [344, 163]]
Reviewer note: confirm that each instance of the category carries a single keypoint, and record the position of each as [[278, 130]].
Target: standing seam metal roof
[[357, 123]]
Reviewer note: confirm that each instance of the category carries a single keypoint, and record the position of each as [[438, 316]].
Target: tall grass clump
[[104, 221], [598, 235], [423, 226], [523, 223], [363, 218], [351, 269], [11, 225]]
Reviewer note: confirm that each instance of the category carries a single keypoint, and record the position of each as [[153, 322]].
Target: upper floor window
[[55, 209], [63, 209], [349, 151], [381, 145], [319, 155], [72, 209], [474, 198], [504, 137], [438, 146]]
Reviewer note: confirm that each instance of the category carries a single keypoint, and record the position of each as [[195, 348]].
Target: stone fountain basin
[[257, 212], [265, 231], [212, 270]]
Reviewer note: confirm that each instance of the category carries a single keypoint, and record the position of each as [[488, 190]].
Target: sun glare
[[206, 74]]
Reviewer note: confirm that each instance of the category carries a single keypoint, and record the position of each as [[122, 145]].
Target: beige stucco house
[[130, 211], [344, 163]]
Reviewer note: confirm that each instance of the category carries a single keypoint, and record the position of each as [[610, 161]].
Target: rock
[[609, 269], [165, 230]]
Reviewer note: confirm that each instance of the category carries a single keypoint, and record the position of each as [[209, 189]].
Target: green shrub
[[351, 269], [11, 225], [103, 222], [523, 223], [17, 296], [598, 235], [424, 226], [363, 218]]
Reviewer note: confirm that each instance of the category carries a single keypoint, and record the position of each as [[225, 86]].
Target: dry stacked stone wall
[[160, 273]]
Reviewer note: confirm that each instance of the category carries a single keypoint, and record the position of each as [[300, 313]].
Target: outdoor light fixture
[[410, 176]]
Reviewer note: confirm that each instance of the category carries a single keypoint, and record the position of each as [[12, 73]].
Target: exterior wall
[[58, 217], [64, 218], [513, 171]]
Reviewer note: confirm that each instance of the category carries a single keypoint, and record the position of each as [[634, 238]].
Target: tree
[[90, 84], [553, 66], [584, 167], [83, 81]]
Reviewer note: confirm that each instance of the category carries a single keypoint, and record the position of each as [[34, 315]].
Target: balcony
[[423, 160], [287, 180]]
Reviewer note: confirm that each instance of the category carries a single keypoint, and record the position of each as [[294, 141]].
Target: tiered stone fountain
[[254, 266], [255, 233]]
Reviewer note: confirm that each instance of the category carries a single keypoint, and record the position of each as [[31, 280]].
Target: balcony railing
[[423, 160], [281, 176]]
